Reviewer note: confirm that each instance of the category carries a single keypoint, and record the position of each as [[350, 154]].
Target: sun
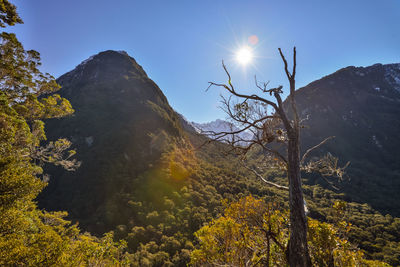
[[244, 55]]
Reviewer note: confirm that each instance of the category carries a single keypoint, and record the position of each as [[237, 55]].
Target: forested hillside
[[121, 125], [97, 169], [148, 177]]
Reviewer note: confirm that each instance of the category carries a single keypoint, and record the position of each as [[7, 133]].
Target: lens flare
[[253, 40]]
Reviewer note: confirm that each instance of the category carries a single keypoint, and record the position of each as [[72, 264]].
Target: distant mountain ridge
[[219, 126]]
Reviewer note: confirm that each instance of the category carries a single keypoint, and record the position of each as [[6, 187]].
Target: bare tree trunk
[[297, 250]]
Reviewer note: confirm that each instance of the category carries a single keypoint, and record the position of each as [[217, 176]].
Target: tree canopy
[[252, 232], [29, 236]]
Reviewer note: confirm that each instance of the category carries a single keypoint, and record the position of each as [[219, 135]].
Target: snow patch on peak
[[123, 52], [359, 73], [392, 75], [86, 61], [83, 63], [375, 140]]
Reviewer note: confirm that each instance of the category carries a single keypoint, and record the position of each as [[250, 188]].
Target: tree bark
[[297, 251]]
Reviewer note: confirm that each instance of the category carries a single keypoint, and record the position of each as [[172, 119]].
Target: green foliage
[[374, 233], [22, 81], [158, 211], [37, 238], [8, 14], [157, 205], [122, 127], [252, 233], [249, 232], [29, 236]]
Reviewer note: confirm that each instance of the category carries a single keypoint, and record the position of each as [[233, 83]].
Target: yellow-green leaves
[[29, 236], [252, 233], [38, 238], [8, 14], [53, 106]]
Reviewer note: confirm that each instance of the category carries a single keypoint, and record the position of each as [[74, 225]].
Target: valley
[[147, 176]]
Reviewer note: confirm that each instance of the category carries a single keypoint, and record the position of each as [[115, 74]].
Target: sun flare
[[244, 55]]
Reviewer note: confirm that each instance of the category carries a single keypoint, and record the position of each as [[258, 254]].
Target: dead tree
[[275, 128]]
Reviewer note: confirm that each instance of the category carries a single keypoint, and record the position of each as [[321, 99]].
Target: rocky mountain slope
[[121, 125], [360, 107]]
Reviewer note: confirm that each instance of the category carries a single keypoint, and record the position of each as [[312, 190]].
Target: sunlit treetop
[[8, 14]]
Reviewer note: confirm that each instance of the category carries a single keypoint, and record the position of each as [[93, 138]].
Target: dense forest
[[96, 169]]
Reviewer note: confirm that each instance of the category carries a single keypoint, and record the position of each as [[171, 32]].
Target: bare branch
[[227, 73], [293, 89], [326, 166], [222, 134], [265, 84], [56, 153], [291, 78], [282, 113], [305, 119], [294, 63], [265, 180], [243, 118], [286, 65], [313, 148], [276, 153], [232, 90], [271, 90], [272, 151]]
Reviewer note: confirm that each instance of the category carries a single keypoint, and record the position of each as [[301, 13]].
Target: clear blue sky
[[180, 44]]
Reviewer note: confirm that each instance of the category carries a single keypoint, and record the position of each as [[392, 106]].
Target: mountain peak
[[105, 65], [122, 122], [103, 54]]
